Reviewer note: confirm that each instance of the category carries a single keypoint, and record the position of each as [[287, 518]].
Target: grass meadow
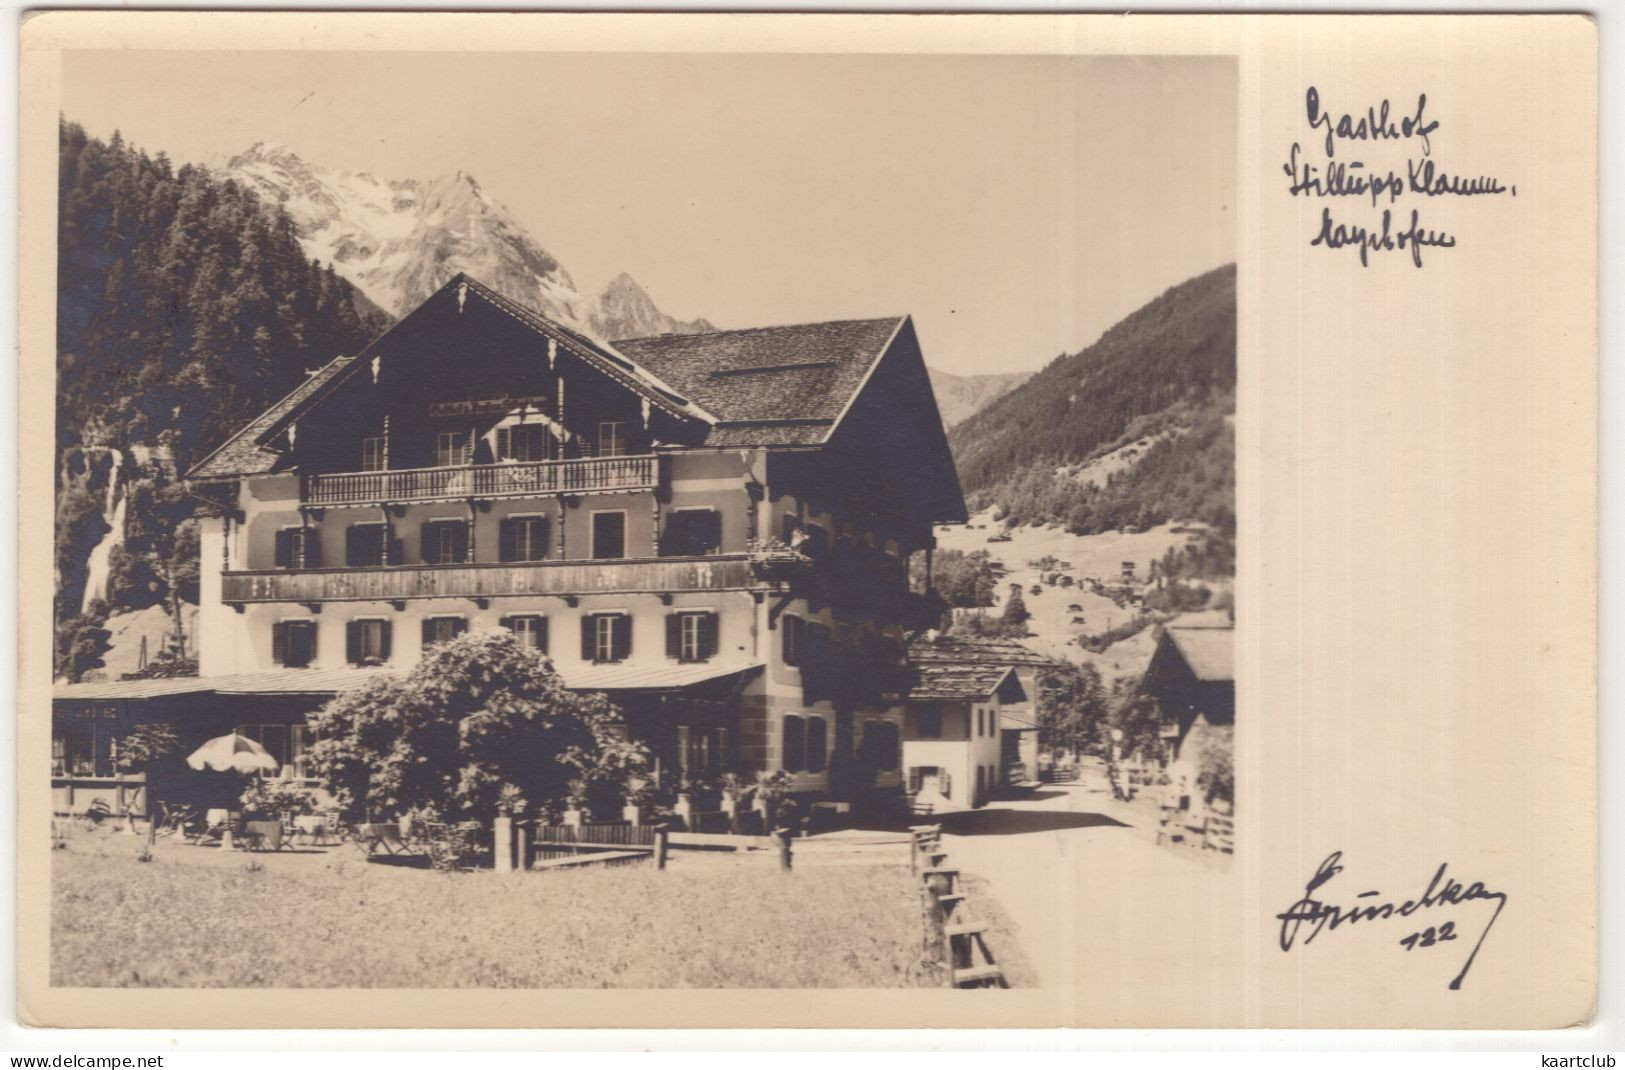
[[200, 917]]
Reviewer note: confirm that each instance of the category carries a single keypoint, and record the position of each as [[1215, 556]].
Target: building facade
[[715, 530]]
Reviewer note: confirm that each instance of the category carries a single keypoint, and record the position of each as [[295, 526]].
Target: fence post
[[502, 843], [521, 831], [661, 845], [784, 849]]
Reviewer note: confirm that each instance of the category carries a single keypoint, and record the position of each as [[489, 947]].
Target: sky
[[1015, 206]]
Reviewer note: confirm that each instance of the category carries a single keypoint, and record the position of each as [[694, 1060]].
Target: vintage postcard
[[1069, 520]]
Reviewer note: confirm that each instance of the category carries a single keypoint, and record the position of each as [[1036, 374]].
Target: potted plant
[[734, 790], [685, 807], [639, 791], [575, 801]]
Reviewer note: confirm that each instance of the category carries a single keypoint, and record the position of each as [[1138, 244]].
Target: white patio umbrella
[[233, 752]]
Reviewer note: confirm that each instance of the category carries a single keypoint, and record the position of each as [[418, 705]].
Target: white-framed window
[[524, 538], [443, 629], [451, 449], [445, 541], [530, 629], [606, 637], [612, 440], [298, 547], [293, 643], [367, 640], [524, 442], [374, 453], [691, 635]]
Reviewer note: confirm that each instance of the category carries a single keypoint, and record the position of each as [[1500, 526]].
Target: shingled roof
[[1209, 651], [954, 667], [769, 385], [244, 453]]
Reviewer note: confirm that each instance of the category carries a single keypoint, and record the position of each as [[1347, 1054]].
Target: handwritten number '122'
[[1429, 936]]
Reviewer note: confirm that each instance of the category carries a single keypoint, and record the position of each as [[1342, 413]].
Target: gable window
[[293, 643], [794, 638], [298, 548], [451, 448], [524, 442], [606, 637], [530, 630], [442, 629], [817, 744], [523, 538], [444, 542], [612, 440], [608, 535], [691, 533], [691, 636], [364, 546], [367, 641], [795, 744], [374, 453]]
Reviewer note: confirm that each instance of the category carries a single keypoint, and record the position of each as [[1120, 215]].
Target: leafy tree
[[1215, 764], [1072, 707], [964, 580], [148, 749], [482, 725], [81, 640], [1015, 611]]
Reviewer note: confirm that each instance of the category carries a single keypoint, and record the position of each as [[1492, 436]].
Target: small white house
[[971, 721]]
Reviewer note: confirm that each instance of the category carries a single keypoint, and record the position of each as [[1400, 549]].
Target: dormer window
[[451, 449], [523, 443]]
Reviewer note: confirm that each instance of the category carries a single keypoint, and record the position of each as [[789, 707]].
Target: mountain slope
[[961, 396], [1161, 382], [398, 240]]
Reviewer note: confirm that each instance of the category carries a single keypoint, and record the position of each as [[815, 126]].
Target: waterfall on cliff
[[96, 566]]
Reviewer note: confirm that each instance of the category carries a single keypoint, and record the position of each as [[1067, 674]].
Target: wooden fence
[[559, 846], [950, 932]]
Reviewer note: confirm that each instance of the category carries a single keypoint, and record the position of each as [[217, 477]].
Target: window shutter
[[795, 743], [817, 744], [623, 637], [713, 532], [674, 635], [708, 636], [428, 545], [352, 642], [284, 548], [588, 649], [507, 540], [279, 639], [541, 635], [459, 626], [394, 556], [505, 622], [383, 642], [352, 546], [310, 641], [504, 443], [428, 631], [945, 784], [914, 780], [313, 548]]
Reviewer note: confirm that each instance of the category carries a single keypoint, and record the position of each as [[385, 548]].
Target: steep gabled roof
[[955, 667], [1209, 651], [246, 452], [770, 385]]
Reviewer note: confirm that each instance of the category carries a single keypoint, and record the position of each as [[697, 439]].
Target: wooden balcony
[[563, 578], [503, 479]]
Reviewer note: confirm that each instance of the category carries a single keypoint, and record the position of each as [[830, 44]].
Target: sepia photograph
[[735, 532], [740, 522]]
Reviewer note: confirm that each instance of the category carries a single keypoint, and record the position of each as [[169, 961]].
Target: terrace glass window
[[374, 453], [692, 533], [364, 545], [444, 542], [298, 548], [608, 535], [451, 449], [612, 439], [525, 442], [523, 538]]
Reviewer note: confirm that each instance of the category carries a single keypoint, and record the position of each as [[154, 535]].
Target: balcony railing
[[504, 479], [658, 576]]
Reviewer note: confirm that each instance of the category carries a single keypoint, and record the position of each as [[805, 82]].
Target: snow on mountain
[[398, 240]]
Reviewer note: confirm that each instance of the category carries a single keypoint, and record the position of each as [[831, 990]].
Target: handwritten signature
[[1442, 891]]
